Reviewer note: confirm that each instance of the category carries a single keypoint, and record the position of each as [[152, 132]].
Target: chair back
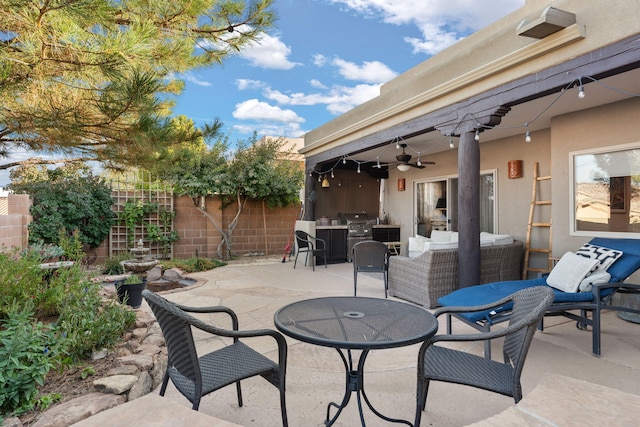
[[370, 255], [529, 306], [176, 328], [302, 239]]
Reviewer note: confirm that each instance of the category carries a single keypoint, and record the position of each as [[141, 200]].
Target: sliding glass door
[[436, 204]]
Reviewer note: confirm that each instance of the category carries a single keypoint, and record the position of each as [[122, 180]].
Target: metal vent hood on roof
[[550, 21]]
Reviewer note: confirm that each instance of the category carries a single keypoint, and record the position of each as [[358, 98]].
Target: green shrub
[[192, 265], [85, 320], [21, 279], [25, 358], [112, 264]]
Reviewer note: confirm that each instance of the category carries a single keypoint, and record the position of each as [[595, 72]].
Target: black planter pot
[[131, 294]]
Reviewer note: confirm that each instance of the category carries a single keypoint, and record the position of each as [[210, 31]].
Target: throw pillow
[[569, 272], [595, 278], [605, 256], [416, 244]]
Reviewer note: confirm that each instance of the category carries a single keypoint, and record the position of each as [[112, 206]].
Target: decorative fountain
[[131, 290], [140, 264]]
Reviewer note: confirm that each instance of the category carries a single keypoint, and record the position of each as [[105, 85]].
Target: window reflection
[[607, 191]]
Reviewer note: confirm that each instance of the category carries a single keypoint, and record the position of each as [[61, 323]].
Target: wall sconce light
[[401, 183], [325, 182], [515, 169]]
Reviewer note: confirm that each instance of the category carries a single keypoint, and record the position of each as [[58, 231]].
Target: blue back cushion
[[628, 263]]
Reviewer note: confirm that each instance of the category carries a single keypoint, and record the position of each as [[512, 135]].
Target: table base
[[355, 383]]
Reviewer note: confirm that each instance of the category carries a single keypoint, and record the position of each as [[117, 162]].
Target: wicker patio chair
[[196, 376], [370, 256], [445, 364], [310, 245]]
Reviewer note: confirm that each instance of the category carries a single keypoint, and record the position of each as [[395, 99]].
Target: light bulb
[[332, 174], [358, 167], [419, 161], [344, 161], [378, 162], [527, 137], [581, 93], [319, 180], [451, 145], [477, 137]]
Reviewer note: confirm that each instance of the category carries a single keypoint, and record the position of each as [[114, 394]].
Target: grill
[[359, 228]]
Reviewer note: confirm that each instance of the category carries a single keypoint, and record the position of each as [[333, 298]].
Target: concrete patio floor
[[315, 375]]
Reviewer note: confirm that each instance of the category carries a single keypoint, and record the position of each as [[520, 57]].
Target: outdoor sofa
[[433, 273]]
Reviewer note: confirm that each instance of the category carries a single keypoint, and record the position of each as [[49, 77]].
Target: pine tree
[[95, 79]]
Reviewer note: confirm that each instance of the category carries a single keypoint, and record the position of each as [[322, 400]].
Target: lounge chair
[[573, 305]]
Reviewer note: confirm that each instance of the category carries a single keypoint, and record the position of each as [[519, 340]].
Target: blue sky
[[323, 58]]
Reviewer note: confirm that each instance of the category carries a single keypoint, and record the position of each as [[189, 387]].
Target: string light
[[477, 137], [527, 135], [332, 174], [419, 163], [451, 145], [358, 167], [581, 93], [378, 162]]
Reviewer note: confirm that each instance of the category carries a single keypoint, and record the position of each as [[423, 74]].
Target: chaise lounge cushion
[[622, 268]]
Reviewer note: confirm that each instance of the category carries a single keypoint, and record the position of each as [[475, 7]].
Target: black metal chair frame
[[196, 376], [310, 245], [444, 364], [370, 256]]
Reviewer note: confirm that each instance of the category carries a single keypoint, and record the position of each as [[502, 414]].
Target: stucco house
[[552, 89]]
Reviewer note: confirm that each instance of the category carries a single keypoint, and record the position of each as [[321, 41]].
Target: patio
[[315, 375]]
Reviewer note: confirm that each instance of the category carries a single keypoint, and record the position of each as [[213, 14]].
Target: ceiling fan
[[404, 158]]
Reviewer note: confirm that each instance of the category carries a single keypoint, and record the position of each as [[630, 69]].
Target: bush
[[21, 280], [25, 349], [112, 264], [192, 265], [85, 320]]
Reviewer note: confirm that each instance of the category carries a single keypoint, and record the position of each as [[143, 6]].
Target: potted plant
[[130, 290]]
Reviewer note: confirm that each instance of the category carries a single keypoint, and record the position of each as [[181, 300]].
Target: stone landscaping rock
[[141, 387], [142, 361], [78, 409], [124, 370], [12, 422], [116, 384]]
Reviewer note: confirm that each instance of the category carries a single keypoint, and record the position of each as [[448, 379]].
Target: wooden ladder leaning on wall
[[535, 203]]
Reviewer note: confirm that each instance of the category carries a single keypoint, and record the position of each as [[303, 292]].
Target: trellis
[[155, 227]]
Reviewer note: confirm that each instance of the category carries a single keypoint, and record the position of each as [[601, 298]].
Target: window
[[606, 191], [436, 202]]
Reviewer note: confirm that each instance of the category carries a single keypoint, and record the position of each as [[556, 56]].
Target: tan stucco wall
[[514, 195]]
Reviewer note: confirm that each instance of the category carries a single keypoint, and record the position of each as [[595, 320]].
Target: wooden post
[[468, 210]]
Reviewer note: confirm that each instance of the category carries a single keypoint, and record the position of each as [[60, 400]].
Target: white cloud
[[317, 84], [441, 22], [319, 60], [193, 79], [268, 52], [338, 99], [244, 84], [369, 71], [253, 109]]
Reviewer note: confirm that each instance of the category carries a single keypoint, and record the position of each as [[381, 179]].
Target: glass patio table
[[355, 323]]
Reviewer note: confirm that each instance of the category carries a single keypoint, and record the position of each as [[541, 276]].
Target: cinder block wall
[[14, 230], [250, 236]]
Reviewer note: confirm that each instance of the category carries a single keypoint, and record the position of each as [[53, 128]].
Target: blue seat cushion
[[490, 292]]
